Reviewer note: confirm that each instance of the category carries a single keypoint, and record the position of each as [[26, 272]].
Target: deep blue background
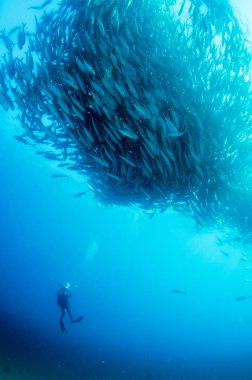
[[125, 266]]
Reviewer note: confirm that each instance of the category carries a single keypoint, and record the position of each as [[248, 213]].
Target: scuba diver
[[63, 296]]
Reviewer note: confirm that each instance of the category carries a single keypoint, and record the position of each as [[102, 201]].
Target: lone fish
[[243, 298]]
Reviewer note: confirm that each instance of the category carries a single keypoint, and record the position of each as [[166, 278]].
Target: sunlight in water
[[92, 251]]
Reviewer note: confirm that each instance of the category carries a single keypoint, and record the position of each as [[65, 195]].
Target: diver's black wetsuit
[[63, 296]]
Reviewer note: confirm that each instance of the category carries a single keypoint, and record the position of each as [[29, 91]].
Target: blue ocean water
[[125, 266]]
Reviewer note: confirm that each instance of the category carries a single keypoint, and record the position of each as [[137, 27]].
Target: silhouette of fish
[[77, 195], [38, 7], [243, 298], [59, 175], [179, 291]]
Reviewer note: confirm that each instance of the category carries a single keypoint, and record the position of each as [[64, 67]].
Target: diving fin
[[78, 319]]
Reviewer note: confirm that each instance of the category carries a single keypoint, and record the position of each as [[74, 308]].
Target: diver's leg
[[69, 313], [62, 326]]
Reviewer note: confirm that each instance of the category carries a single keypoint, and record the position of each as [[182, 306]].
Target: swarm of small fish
[[149, 99]]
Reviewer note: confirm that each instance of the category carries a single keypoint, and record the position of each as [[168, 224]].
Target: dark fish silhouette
[[23, 140], [243, 298], [179, 291], [59, 175], [47, 2], [77, 195]]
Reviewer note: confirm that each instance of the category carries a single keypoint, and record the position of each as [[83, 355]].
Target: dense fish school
[[150, 99]]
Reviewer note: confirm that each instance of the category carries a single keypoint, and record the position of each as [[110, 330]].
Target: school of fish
[[151, 100]]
